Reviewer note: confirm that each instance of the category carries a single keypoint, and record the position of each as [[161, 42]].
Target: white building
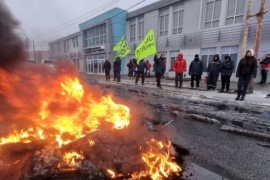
[[68, 48], [204, 27]]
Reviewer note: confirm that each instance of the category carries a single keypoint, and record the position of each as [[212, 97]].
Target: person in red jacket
[[180, 66]]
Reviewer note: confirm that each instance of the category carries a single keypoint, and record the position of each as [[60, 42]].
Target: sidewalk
[[258, 97]]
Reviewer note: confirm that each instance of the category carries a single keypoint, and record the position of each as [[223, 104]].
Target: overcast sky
[[42, 19]]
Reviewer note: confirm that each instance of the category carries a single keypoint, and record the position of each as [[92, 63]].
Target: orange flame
[[112, 174], [71, 158], [68, 109], [158, 161]]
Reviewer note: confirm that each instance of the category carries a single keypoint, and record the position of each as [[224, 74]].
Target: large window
[[95, 64], [231, 51], [141, 27], [132, 26], [75, 41], [212, 15], [207, 56], [235, 11], [164, 22], [96, 36], [178, 17], [174, 55]]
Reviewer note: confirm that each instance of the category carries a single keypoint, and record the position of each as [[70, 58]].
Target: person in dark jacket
[[140, 71], [117, 69], [247, 69], [159, 68], [163, 58], [265, 65], [227, 67], [213, 70], [130, 68], [107, 68], [195, 71]]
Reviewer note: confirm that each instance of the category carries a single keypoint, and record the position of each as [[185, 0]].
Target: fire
[[158, 160], [61, 110], [67, 109], [71, 158], [22, 136], [111, 173], [91, 142]]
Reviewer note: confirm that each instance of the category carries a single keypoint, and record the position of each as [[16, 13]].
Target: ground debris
[[203, 118], [237, 130]]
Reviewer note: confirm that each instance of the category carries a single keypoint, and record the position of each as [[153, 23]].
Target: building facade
[[99, 35], [204, 27], [69, 48]]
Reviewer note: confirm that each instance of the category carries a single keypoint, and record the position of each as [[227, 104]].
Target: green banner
[[118, 44], [148, 46], [124, 49]]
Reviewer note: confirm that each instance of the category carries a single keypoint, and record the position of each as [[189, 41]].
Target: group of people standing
[[246, 71], [116, 69]]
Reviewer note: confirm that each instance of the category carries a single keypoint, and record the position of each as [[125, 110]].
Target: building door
[[95, 63]]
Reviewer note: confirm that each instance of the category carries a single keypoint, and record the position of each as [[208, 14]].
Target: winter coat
[[159, 65], [149, 65], [265, 64], [117, 65], [107, 66], [130, 66], [180, 65], [141, 66], [247, 69], [196, 67], [214, 67], [227, 68]]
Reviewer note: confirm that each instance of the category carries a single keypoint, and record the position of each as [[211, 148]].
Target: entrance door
[[95, 64]]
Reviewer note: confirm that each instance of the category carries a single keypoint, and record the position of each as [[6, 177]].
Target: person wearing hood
[[107, 68], [195, 71], [226, 73], [117, 69], [246, 70], [213, 70], [159, 68], [179, 67], [265, 65], [140, 72]]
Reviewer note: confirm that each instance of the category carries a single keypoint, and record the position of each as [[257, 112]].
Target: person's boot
[[242, 98], [180, 86], [238, 97], [176, 85]]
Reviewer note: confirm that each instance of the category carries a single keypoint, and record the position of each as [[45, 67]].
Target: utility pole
[[245, 37], [34, 52], [259, 15]]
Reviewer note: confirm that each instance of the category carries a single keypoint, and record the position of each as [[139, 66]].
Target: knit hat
[[251, 51], [197, 56]]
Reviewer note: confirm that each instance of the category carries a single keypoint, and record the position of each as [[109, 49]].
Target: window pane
[[239, 19], [217, 9], [231, 7], [162, 21], [215, 24], [174, 31], [172, 62], [210, 59], [180, 30], [234, 58], [240, 7], [181, 19], [167, 22], [229, 21], [175, 20], [209, 11], [204, 61], [208, 25]]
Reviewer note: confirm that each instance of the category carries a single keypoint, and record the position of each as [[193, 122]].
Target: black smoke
[[12, 48]]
